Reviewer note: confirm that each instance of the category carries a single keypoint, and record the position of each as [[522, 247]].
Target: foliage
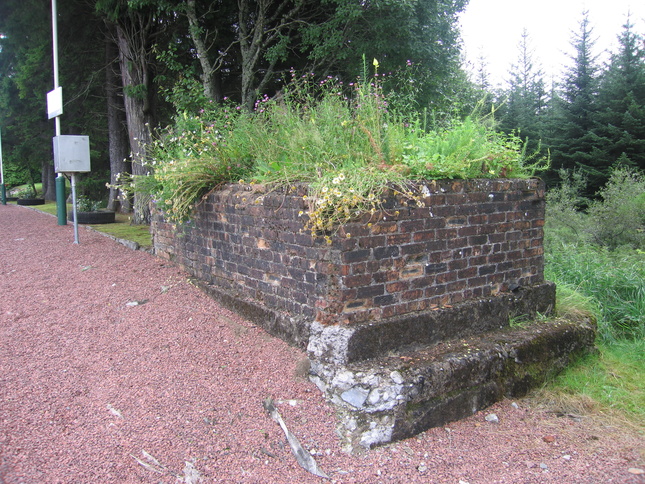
[[620, 123], [609, 382], [525, 101], [617, 218], [584, 254], [25, 193], [469, 149], [615, 280], [85, 204], [566, 223], [341, 140]]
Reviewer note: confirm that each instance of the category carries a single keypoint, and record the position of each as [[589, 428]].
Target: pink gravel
[[115, 369]]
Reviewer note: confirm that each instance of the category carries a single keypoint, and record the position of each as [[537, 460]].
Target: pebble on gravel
[[492, 418]]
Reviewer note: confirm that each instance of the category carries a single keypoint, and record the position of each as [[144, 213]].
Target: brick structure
[[473, 239], [406, 314]]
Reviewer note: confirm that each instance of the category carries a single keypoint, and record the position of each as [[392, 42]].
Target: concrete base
[[399, 395], [392, 379]]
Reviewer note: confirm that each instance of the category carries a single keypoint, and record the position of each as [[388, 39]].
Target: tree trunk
[[48, 180], [210, 79], [133, 45], [117, 133]]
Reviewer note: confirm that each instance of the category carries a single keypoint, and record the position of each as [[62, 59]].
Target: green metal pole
[[61, 205], [3, 189]]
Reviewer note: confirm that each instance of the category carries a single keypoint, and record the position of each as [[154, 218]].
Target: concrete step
[[412, 389], [347, 343]]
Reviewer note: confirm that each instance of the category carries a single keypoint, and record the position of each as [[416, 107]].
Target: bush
[[599, 253], [617, 218], [84, 204], [566, 223]]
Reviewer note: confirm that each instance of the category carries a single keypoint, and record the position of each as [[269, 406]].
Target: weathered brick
[[370, 291], [437, 254], [356, 281], [386, 252], [397, 286], [358, 255], [436, 268]]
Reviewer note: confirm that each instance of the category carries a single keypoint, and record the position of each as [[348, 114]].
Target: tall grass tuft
[[344, 141]]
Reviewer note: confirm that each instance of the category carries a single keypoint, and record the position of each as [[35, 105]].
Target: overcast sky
[[494, 28]]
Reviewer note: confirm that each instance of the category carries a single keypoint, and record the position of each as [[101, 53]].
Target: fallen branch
[[302, 456]]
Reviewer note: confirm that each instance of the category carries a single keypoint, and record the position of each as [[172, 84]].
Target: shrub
[[566, 223], [85, 204], [617, 218]]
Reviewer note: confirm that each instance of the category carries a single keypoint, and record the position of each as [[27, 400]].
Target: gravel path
[[115, 369]]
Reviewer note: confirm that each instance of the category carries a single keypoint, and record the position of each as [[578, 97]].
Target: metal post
[[61, 206], [61, 202], [74, 208], [3, 189]]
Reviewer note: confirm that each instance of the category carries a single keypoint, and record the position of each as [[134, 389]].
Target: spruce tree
[[573, 144], [620, 124], [526, 98]]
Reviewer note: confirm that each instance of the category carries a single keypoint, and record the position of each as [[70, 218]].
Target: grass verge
[[608, 383], [121, 229]]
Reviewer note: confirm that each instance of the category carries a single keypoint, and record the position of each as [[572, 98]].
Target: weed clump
[[343, 141]]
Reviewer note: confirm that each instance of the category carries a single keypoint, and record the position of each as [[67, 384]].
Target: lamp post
[[61, 207], [3, 190]]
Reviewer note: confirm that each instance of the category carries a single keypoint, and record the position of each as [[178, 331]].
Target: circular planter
[[12, 199], [93, 218], [31, 201]]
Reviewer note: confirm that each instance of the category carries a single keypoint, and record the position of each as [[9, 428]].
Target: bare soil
[[115, 369]]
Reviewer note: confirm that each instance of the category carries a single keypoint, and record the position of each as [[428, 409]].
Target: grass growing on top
[[341, 140]]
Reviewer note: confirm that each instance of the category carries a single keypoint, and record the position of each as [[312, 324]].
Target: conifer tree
[[526, 98], [620, 124], [573, 144]]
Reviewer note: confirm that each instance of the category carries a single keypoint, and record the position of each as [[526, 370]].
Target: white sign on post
[[55, 103]]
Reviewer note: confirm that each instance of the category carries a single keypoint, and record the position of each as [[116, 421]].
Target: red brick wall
[[473, 238]]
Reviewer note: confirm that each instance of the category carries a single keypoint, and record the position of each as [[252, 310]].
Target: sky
[[493, 28]]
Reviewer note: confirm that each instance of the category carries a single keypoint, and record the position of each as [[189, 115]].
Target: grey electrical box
[[71, 154]]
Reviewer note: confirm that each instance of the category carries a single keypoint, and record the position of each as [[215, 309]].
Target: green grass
[[121, 229], [604, 281], [610, 382]]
